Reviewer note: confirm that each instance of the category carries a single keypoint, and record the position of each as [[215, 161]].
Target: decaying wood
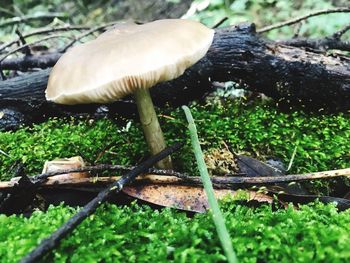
[[318, 44], [101, 168], [175, 178], [237, 53], [27, 62], [219, 180]]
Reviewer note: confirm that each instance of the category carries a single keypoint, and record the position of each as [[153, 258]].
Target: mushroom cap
[[127, 58]]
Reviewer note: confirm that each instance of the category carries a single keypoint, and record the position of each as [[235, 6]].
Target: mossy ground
[[258, 129], [315, 233]]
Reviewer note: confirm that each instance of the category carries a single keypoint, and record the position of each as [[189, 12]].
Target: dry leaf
[[187, 198]]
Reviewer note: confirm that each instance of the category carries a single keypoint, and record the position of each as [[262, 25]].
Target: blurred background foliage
[[261, 12], [267, 12]]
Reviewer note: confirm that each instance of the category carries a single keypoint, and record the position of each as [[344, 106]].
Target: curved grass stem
[[208, 187]]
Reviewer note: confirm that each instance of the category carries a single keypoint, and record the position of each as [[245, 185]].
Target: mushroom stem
[[150, 125]]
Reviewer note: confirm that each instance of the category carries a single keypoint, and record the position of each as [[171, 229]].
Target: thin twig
[[286, 178], [2, 76], [221, 181], [234, 180], [44, 31], [27, 51], [105, 167], [341, 32], [297, 29], [75, 181], [221, 21], [7, 11], [32, 43], [89, 32], [24, 19], [51, 242], [323, 44], [304, 17]]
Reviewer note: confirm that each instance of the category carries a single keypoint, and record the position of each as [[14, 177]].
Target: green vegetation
[[268, 12], [315, 233], [257, 129], [261, 12]]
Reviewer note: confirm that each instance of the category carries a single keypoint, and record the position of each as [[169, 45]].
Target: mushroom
[[130, 59]]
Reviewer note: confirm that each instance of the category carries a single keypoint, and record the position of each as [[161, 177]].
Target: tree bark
[[291, 74]]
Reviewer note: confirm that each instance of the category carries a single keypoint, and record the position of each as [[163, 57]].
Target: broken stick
[[51, 242]]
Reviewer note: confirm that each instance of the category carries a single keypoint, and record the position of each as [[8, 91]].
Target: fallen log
[[291, 74], [32, 61]]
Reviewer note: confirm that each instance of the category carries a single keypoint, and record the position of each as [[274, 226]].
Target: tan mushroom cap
[[127, 58]]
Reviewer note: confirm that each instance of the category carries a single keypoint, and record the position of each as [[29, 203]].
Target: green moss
[[65, 138], [316, 233], [257, 129], [313, 234]]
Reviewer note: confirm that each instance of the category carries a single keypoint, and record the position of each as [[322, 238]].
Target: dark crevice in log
[[288, 74]]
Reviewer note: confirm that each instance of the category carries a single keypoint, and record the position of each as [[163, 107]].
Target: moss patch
[[316, 233], [260, 130]]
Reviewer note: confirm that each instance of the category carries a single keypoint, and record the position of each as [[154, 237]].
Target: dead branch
[[341, 32], [323, 44], [2, 76], [26, 50], [220, 22], [28, 62], [51, 242], [219, 181], [331, 42], [28, 44], [46, 60], [50, 177], [157, 176], [73, 182], [89, 32], [26, 19], [304, 17], [105, 167], [41, 32]]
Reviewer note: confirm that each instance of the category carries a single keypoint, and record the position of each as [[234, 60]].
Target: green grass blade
[[208, 187]]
